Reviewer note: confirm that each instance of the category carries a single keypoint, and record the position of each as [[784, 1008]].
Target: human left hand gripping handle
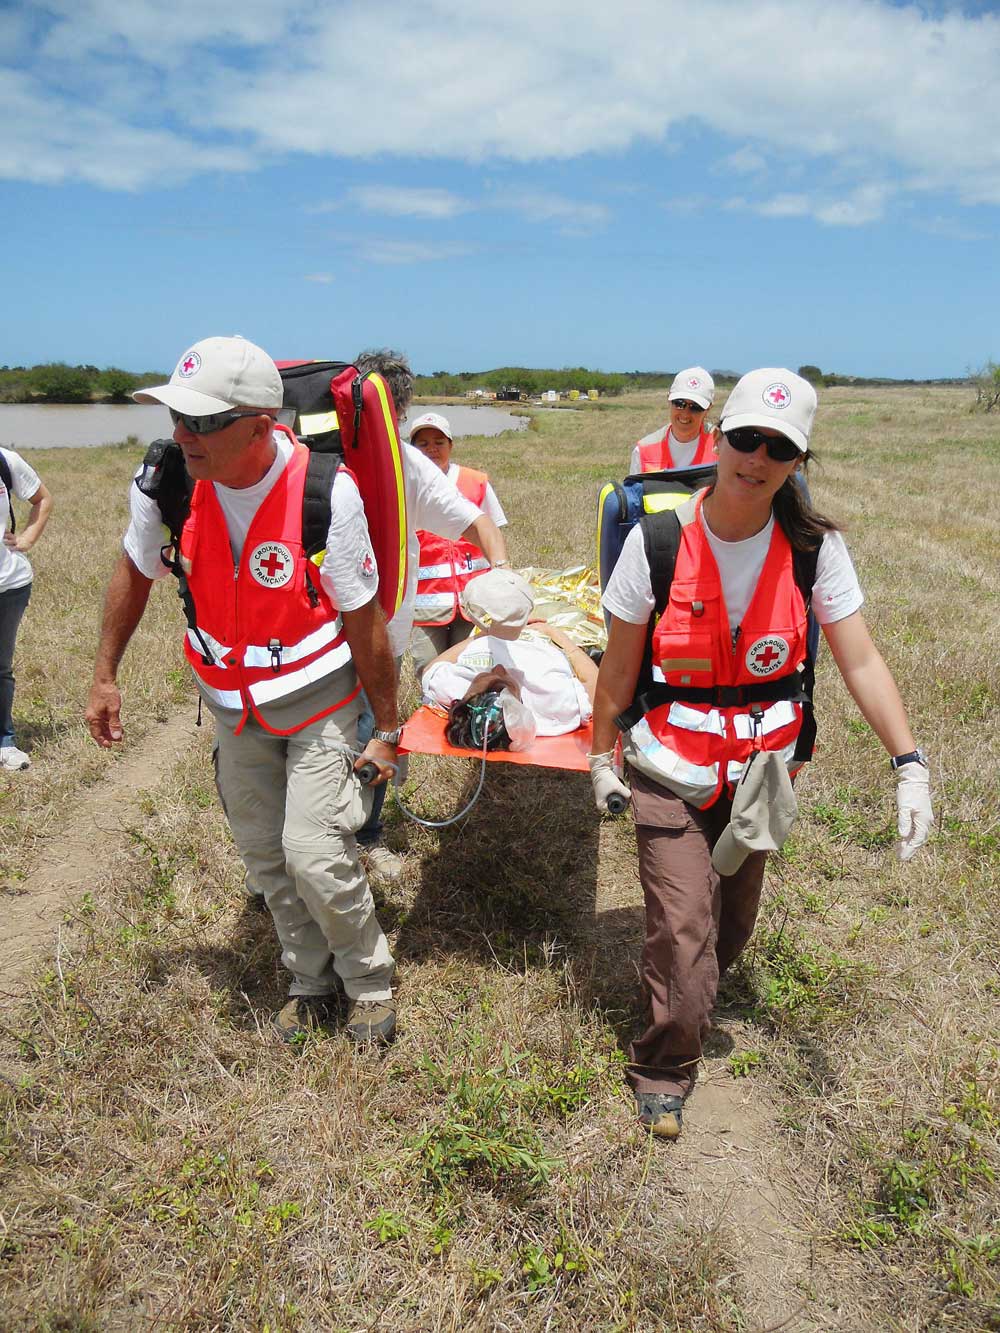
[[913, 809], [103, 714]]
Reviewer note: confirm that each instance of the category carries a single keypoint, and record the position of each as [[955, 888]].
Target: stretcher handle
[[368, 774], [616, 803]]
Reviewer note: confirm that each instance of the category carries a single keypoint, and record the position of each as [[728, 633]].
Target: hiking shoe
[[304, 1016], [372, 1021], [14, 759], [383, 864], [660, 1113]]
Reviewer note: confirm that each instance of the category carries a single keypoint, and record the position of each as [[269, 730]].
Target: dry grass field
[[166, 1164]]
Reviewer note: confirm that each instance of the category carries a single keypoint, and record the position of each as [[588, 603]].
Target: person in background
[[447, 566], [434, 505], [284, 692], [686, 440], [727, 653], [18, 479]]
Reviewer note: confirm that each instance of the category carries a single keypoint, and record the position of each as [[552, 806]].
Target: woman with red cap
[[727, 680]]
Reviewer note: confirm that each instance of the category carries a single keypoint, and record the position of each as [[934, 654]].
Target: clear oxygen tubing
[[446, 823]]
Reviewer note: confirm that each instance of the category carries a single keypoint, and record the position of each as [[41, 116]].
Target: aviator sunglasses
[[210, 424], [686, 406], [748, 438]]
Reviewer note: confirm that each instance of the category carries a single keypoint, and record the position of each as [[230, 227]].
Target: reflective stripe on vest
[[447, 566], [655, 455], [693, 748], [284, 637]]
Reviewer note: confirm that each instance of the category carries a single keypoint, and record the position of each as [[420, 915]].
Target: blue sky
[[645, 186]]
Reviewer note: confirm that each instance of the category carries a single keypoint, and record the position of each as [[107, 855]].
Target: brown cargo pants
[[697, 924]]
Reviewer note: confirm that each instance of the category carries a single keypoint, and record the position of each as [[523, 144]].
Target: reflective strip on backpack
[[277, 687], [319, 423], [260, 655]]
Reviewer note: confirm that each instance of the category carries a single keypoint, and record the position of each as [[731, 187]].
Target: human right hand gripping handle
[[610, 793]]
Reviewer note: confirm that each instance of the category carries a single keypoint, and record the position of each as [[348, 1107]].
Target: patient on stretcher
[[529, 667]]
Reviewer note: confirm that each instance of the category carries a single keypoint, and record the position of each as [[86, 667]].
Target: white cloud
[[322, 278], [383, 251], [904, 94], [854, 209], [573, 215], [397, 201]]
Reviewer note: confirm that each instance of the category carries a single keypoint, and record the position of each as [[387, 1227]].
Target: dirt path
[[30, 918]]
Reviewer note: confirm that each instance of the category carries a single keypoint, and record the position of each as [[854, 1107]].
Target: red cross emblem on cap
[[189, 365], [693, 382], [777, 395]]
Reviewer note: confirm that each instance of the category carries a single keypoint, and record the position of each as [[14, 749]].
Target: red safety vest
[[655, 455], [269, 625], [446, 567], [698, 750]]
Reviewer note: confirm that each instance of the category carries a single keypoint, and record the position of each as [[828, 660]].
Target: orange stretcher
[[423, 733]]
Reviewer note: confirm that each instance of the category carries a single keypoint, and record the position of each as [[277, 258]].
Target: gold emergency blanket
[[571, 599]]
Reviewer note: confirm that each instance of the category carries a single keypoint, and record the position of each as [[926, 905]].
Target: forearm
[[485, 534], [874, 690], [124, 604], [616, 680], [38, 516], [365, 631]]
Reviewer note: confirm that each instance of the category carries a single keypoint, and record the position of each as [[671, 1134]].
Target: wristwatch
[[387, 737], [916, 756]]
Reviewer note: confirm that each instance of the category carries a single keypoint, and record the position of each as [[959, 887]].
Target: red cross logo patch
[[366, 565], [777, 395], [694, 382], [271, 564], [767, 655], [188, 365]]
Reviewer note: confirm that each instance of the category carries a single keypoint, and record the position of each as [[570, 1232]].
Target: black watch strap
[[916, 756]]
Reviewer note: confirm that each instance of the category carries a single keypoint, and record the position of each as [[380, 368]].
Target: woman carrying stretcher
[[725, 702]]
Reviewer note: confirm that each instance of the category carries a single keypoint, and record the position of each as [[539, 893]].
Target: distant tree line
[[57, 382]]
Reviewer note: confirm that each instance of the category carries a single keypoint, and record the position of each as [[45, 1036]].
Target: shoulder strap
[[661, 538], [7, 477], [320, 474], [804, 567]]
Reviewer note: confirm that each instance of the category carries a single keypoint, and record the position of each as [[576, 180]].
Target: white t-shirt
[[491, 505], [682, 454], [342, 572], [836, 592], [433, 504], [15, 568], [549, 688]]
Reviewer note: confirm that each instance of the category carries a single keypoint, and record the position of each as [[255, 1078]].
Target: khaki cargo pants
[[294, 805]]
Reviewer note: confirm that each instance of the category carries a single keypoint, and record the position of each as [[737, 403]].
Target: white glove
[[605, 780], [913, 808]]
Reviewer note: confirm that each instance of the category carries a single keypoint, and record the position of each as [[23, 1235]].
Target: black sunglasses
[[210, 424], [779, 448], [686, 406]]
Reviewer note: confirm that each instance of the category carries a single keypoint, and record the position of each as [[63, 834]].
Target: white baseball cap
[[776, 399], [764, 810], [695, 384], [217, 374], [434, 419], [499, 602]]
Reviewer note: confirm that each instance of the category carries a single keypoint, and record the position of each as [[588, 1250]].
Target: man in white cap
[[447, 566], [278, 660], [686, 440]]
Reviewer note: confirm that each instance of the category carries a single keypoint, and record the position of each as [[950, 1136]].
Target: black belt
[[716, 696]]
